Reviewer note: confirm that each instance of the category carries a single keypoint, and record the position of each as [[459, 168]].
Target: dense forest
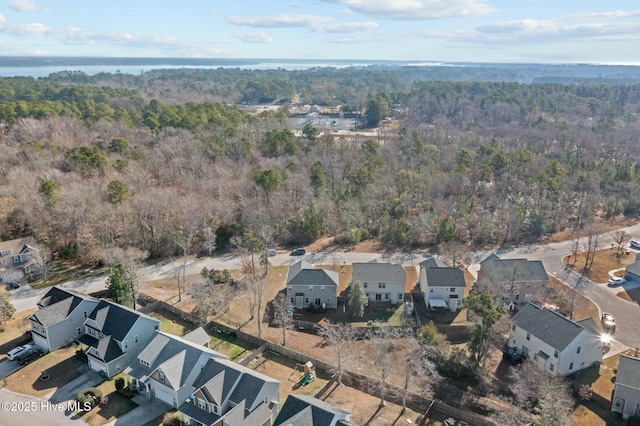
[[169, 162]]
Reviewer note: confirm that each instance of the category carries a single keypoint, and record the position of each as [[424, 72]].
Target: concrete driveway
[[88, 379], [8, 367], [144, 413]]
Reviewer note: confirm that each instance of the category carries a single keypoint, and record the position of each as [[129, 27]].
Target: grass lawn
[[235, 349], [116, 406], [62, 365], [171, 323], [603, 262], [14, 330]]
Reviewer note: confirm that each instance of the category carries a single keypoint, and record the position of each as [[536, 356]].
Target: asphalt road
[[626, 313], [24, 410]]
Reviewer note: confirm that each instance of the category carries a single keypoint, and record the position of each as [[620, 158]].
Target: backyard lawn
[[172, 323]]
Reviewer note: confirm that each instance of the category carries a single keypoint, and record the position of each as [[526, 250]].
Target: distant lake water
[[44, 71]]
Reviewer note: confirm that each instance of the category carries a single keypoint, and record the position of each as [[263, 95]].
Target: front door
[[299, 302]]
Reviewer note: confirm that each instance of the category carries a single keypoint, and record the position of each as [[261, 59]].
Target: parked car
[[271, 252], [16, 351], [28, 356], [634, 244], [298, 252], [608, 322], [615, 282]]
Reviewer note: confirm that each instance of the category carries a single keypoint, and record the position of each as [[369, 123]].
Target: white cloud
[[254, 37], [416, 9], [598, 15], [25, 6], [346, 27], [279, 21]]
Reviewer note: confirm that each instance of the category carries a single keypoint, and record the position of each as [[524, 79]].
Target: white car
[[615, 282], [13, 353]]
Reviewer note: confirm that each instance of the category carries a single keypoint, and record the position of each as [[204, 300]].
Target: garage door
[[40, 342], [97, 365], [164, 395]]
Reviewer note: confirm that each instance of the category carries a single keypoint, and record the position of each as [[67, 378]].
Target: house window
[[431, 291], [618, 402], [306, 300], [528, 336], [378, 296], [400, 297], [386, 296], [156, 327], [84, 314], [578, 350], [452, 289], [555, 354], [318, 301], [292, 300], [135, 339], [214, 407], [513, 328], [202, 404], [79, 331], [125, 344], [551, 367], [571, 366], [517, 296], [16, 259], [382, 285], [364, 285], [161, 376]]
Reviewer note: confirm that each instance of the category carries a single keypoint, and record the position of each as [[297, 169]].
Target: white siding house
[[308, 286], [382, 282], [626, 395], [556, 344], [443, 287]]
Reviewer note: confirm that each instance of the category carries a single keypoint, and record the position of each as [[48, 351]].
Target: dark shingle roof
[[445, 277], [628, 372], [379, 272], [548, 326], [434, 262], [303, 273], [108, 349], [303, 410], [114, 320], [57, 304], [499, 271]]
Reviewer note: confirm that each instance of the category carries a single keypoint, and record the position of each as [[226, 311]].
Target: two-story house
[[299, 410], [60, 317], [512, 281], [115, 335], [443, 287], [307, 286], [626, 394], [18, 258], [168, 366], [229, 394], [554, 343], [382, 282]]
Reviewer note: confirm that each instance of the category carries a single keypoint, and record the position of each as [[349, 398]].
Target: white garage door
[[163, 395], [40, 342]]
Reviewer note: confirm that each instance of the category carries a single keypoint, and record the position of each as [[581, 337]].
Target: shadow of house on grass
[[60, 374]]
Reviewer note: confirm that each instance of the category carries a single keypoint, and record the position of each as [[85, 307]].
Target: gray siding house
[[232, 395], [60, 317], [382, 282], [512, 281], [443, 287], [626, 394], [115, 335], [18, 258], [168, 366], [308, 286], [554, 343]]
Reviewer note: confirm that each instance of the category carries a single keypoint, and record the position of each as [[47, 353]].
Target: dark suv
[[27, 356], [298, 252]]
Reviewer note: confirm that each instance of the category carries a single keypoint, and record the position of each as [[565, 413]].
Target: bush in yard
[[170, 419], [119, 383], [92, 395]]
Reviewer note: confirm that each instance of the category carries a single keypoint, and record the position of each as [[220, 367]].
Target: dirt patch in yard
[[62, 365], [14, 331], [604, 261]]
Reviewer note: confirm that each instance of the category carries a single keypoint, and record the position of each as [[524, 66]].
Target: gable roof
[[108, 349], [303, 410], [548, 326], [57, 304], [198, 336], [628, 371], [176, 357], [507, 270], [634, 268], [303, 273], [379, 272], [17, 246], [433, 262], [492, 256], [445, 277], [115, 320]]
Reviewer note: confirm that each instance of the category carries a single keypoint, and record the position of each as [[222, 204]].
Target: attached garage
[[96, 365], [163, 395], [40, 342], [632, 272]]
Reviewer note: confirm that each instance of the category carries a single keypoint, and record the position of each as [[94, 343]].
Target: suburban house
[[18, 259], [626, 394], [304, 410], [60, 317], [556, 344], [382, 282], [230, 394], [443, 286], [512, 280], [115, 335], [308, 286], [168, 366], [632, 271]]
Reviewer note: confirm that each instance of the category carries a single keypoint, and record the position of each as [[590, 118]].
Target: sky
[[525, 31]]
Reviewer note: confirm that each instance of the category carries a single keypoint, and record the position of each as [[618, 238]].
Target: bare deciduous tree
[[282, 311], [339, 339], [620, 237]]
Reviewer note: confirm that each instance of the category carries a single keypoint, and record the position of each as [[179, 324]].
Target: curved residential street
[[626, 313]]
